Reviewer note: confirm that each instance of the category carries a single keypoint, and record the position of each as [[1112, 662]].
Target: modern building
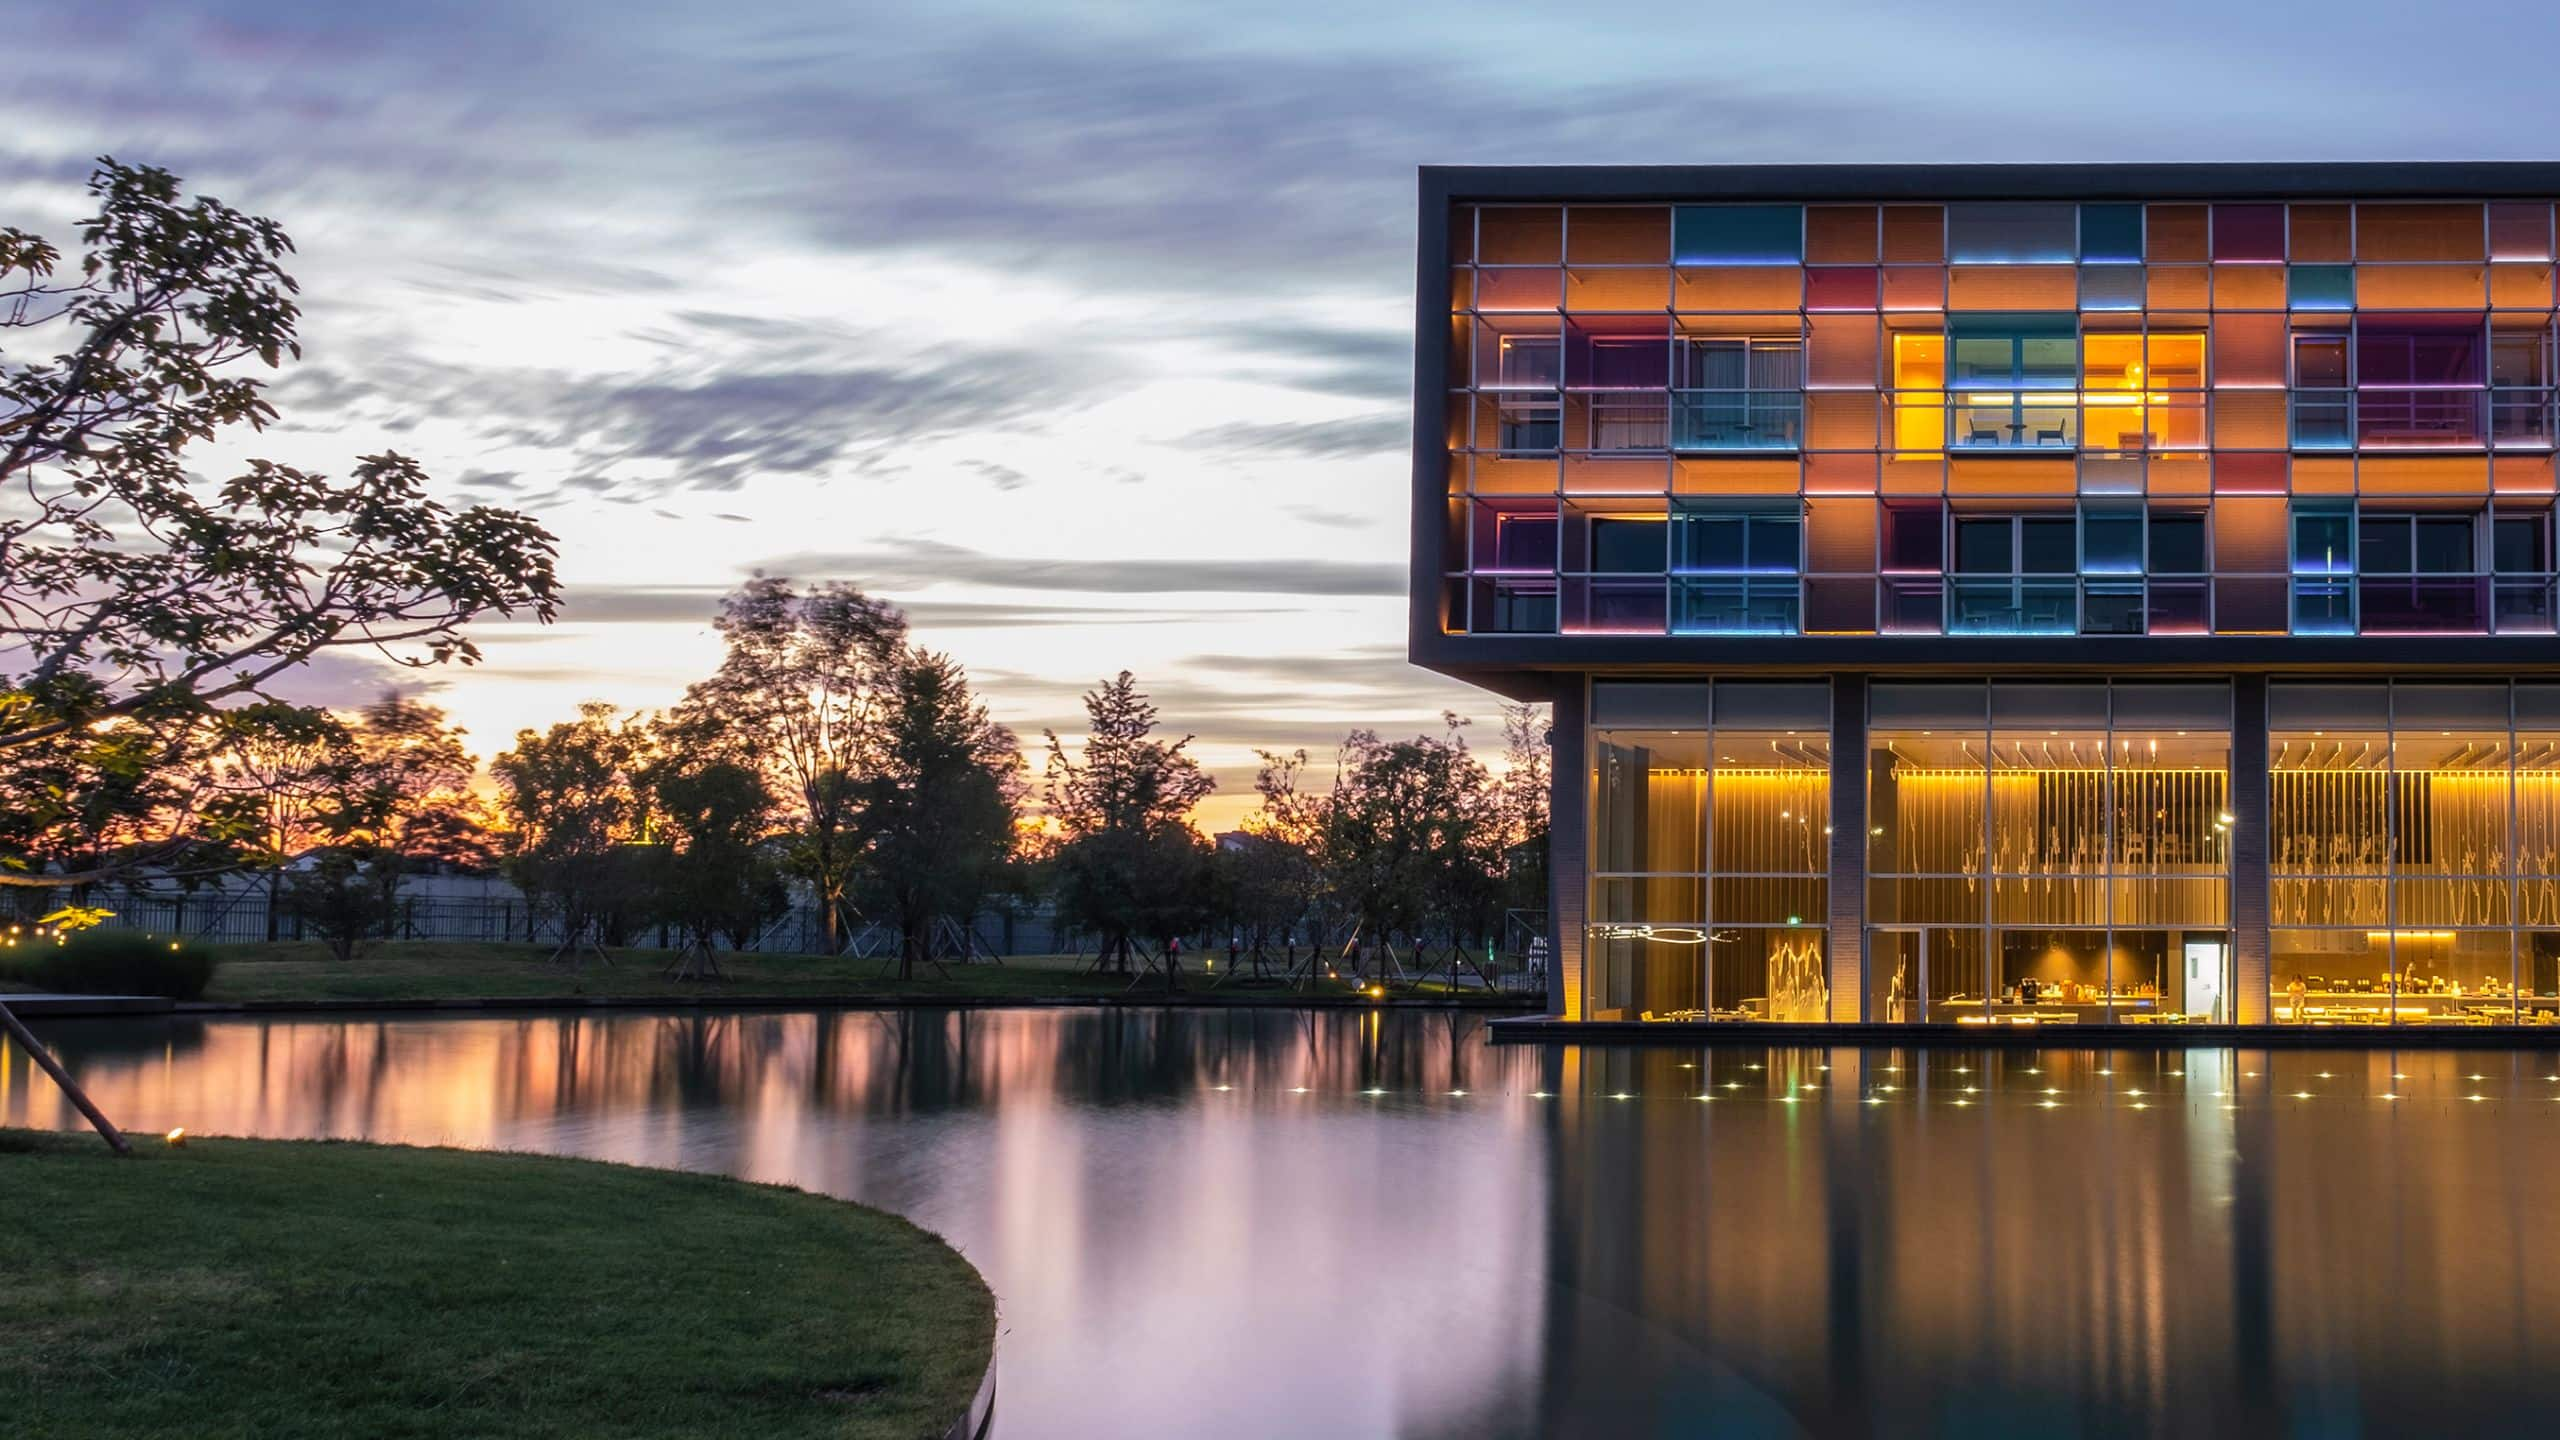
[[2012, 594]]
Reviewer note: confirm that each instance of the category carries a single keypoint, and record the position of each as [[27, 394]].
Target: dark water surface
[[1268, 1224]]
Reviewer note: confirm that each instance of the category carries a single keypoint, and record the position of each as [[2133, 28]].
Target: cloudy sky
[[1079, 330]]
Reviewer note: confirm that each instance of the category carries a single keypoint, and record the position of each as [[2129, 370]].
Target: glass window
[[2177, 543], [2522, 544], [2045, 545], [2321, 287], [2323, 542], [2111, 232], [1738, 235], [1983, 545], [2111, 540], [1626, 545], [2012, 232]]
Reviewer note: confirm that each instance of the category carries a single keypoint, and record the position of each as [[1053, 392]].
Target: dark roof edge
[[2358, 179]]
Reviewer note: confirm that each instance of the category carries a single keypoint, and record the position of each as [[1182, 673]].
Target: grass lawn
[[287, 1288], [445, 969]]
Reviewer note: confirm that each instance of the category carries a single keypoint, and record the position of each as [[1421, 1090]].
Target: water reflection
[[1361, 1224]]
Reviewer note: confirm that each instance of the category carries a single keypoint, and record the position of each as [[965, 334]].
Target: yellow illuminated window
[[1919, 406]]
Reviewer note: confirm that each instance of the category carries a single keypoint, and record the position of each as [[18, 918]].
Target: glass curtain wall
[[1710, 851], [2415, 878], [2049, 853]]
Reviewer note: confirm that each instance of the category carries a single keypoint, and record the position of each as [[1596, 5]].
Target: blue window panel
[[2323, 607], [1737, 235], [1735, 606], [2110, 287], [2320, 287], [2007, 234], [2111, 232]]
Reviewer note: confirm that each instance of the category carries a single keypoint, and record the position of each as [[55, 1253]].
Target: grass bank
[[454, 969], [278, 1288]]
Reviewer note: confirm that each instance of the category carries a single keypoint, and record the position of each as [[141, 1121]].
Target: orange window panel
[[1534, 289], [1514, 477], [1915, 234], [1735, 477], [2321, 234], [2178, 474], [2421, 232], [2111, 361], [2248, 474], [1840, 420], [1462, 288], [1457, 424], [2250, 420], [1840, 234], [2324, 476], [1738, 287], [1840, 536], [2178, 287], [1983, 475], [2522, 474], [1919, 421], [1585, 476], [2113, 421], [2100, 475], [2520, 231], [1919, 359], [2422, 474], [2248, 287], [1905, 475], [2421, 287], [2174, 233], [1915, 287], [2249, 535], [1618, 235], [1520, 235], [2013, 287], [1840, 474], [2520, 287], [2174, 359], [1617, 289], [1840, 352], [2248, 351]]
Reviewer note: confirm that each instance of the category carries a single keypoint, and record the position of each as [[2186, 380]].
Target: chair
[[2049, 437], [1983, 435]]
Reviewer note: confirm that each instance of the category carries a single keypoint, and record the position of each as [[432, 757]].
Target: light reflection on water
[[1263, 1223]]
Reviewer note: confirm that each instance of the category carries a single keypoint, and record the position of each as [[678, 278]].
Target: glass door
[[1897, 974]]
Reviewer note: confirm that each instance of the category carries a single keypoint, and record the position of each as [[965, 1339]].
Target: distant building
[[2012, 594]]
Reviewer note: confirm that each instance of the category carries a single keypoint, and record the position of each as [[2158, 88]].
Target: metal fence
[[241, 917]]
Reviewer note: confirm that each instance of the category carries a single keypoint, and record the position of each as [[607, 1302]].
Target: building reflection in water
[[1342, 1223]]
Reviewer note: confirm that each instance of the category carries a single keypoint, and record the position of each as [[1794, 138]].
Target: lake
[[1266, 1223]]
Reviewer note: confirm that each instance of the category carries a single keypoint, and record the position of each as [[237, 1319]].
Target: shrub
[[111, 962]]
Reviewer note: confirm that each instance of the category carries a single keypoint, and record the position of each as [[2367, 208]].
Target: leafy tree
[[938, 810], [575, 809], [715, 879], [799, 692], [1273, 887], [135, 599], [1410, 836], [286, 782], [1128, 862], [348, 896], [412, 786], [1521, 797]]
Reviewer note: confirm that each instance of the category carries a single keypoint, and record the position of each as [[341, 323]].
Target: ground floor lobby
[[2119, 851]]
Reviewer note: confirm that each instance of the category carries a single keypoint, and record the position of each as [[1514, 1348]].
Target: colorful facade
[[2013, 595]]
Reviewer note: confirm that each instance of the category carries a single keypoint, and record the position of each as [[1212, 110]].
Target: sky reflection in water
[[1259, 1223]]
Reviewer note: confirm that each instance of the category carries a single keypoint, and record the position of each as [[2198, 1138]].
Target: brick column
[[1847, 942], [2249, 940], [1568, 845]]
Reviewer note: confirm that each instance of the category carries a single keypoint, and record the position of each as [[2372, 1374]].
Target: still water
[[1272, 1224]]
